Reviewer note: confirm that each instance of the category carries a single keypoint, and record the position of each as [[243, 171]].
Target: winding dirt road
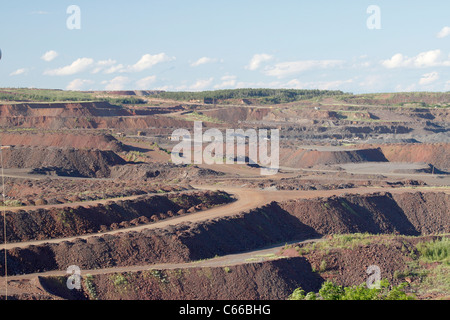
[[246, 199]]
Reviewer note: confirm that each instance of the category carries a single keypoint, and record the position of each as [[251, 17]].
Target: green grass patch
[[331, 291], [435, 251]]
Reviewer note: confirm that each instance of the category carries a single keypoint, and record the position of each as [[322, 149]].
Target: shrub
[[435, 251], [90, 286], [331, 291], [298, 294]]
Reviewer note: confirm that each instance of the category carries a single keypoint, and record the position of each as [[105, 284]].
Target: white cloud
[[49, 55], [118, 83], [429, 78], [257, 60], [406, 88], [164, 88], [297, 84], [202, 84], [18, 72], [361, 62], [106, 63], [445, 32], [203, 60], [101, 65], [78, 84], [147, 61], [447, 86], [198, 85], [227, 82], [372, 82], [284, 69], [114, 69], [430, 58], [396, 61], [145, 83], [77, 66], [321, 85]]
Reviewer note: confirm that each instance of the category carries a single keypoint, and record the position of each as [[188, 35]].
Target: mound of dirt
[[80, 109], [57, 191], [271, 280], [66, 161], [236, 114], [62, 140], [344, 261], [408, 213], [411, 214], [437, 154], [73, 221], [304, 158], [155, 124], [145, 171]]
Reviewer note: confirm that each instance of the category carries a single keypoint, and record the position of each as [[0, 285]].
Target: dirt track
[[259, 255], [246, 199]]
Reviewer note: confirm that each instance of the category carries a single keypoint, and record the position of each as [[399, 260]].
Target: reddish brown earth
[[59, 191], [274, 223], [68, 161], [397, 98], [238, 114], [346, 264], [84, 225], [81, 109], [154, 124], [303, 265], [436, 154], [271, 280], [303, 158], [407, 213], [62, 140], [149, 171], [64, 222]]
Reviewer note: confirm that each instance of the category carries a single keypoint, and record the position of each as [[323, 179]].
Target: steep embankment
[[437, 154], [236, 114], [61, 140], [271, 280], [65, 161], [73, 221], [413, 213], [410, 214], [303, 158], [80, 109], [342, 259], [155, 124], [144, 171]]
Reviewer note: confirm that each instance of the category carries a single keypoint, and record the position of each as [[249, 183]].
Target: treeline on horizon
[[48, 95], [262, 96], [269, 96]]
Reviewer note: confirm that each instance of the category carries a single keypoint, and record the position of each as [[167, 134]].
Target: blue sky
[[206, 45]]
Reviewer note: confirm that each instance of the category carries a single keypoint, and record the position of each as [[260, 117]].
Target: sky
[[355, 46]]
